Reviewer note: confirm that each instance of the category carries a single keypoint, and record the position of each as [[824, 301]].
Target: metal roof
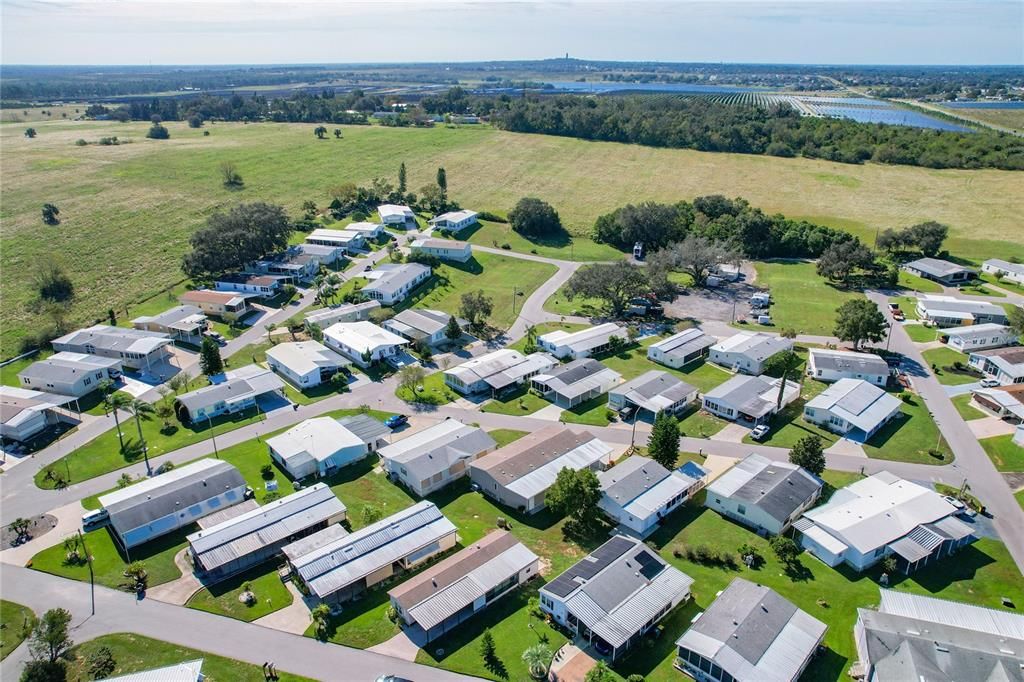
[[391, 277], [858, 402], [952, 613], [68, 366], [847, 361], [975, 331], [18, 404], [365, 427], [319, 439], [348, 312], [584, 339], [186, 671], [438, 447], [654, 390], [362, 336], [540, 479], [502, 367], [683, 344], [641, 486], [1006, 266], [777, 488], [340, 563], [753, 633], [188, 314], [754, 345], [937, 305], [303, 357], [578, 377], [243, 383], [271, 523], [936, 267], [619, 588], [119, 339], [419, 322], [431, 243], [142, 502]]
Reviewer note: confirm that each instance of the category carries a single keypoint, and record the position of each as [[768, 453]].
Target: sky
[[278, 31]]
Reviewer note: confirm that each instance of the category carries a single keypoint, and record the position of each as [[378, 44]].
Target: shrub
[[506, 246], [267, 472], [101, 663], [491, 217], [80, 142]]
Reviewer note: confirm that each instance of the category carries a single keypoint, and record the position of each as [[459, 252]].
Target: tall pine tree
[[663, 446], [401, 178], [209, 357]]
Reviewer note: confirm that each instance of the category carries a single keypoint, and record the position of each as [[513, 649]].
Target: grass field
[[568, 247], [919, 333], [16, 623], [1004, 453], [495, 275], [1007, 118], [633, 362], [801, 300], [505, 436], [135, 653], [128, 210], [435, 391]]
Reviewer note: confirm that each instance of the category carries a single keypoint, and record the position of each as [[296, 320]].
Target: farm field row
[[127, 210]]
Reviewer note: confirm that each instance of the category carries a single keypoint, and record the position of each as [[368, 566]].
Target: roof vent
[[764, 608], [433, 582]]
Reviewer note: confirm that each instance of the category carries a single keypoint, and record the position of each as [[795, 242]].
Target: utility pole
[[213, 436], [513, 299], [92, 578]]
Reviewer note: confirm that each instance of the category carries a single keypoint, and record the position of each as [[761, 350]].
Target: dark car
[[396, 420], [602, 647]]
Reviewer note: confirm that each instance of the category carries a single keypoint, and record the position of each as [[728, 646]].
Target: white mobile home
[[395, 215], [305, 364], [853, 408], [74, 374], [391, 283], [941, 271], [135, 349], [497, 371], [978, 337], [445, 249], [679, 350], [261, 286], [747, 352], [947, 311], [576, 382], [346, 312], [356, 339], [182, 323], [454, 221], [654, 391], [749, 400], [833, 365], [432, 458], [763, 494], [420, 325], [1010, 272], [239, 390], [638, 493], [224, 305], [25, 413], [316, 447], [583, 343], [1005, 365]]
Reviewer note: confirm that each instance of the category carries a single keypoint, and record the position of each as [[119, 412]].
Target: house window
[[742, 509]]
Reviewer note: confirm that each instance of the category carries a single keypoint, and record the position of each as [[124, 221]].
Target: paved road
[[121, 612], [971, 461]]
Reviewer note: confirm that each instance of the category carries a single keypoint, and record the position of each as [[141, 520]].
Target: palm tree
[[784, 364], [142, 411], [320, 614], [269, 327], [164, 410], [537, 658], [118, 401]]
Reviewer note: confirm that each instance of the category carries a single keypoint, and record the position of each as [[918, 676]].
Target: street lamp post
[[92, 578]]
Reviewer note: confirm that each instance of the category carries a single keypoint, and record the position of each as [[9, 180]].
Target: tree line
[[706, 125]]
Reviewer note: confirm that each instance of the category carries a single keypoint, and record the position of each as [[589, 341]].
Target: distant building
[[679, 350], [262, 286], [392, 283], [883, 515], [747, 352], [25, 413], [1011, 272], [156, 506], [832, 365], [914, 637], [182, 323], [430, 459], [445, 249], [223, 305], [616, 594], [369, 231], [454, 221], [346, 566], [519, 474], [853, 408], [652, 392], [583, 343], [292, 267], [941, 271], [135, 349], [316, 447], [69, 374], [947, 311], [395, 215], [453, 590], [978, 337], [349, 240], [346, 312], [354, 339], [576, 382], [1005, 365], [749, 400], [497, 371], [637, 493], [763, 494], [238, 391], [422, 325], [323, 254], [749, 633], [306, 364], [253, 537]]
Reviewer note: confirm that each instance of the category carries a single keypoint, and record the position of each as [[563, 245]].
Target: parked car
[[759, 431], [95, 519], [396, 420], [989, 383], [953, 501], [217, 337], [898, 316], [893, 307]]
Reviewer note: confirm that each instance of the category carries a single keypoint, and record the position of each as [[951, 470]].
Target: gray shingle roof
[[936, 267], [778, 488]]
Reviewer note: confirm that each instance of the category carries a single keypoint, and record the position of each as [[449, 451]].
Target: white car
[[759, 431], [989, 383], [953, 501]]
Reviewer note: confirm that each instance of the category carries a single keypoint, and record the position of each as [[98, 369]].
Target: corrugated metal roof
[[955, 614], [264, 526], [860, 403], [335, 565], [581, 457], [682, 344], [438, 447], [187, 671]]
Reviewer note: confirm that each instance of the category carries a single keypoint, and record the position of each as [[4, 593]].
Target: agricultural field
[[1013, 118], [127, 210]]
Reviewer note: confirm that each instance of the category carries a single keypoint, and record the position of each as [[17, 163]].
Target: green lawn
[[966, 410], [594, 412], [915, 283], [135, 653], [1004, 284], [941, 361], [519, 403], [496, 235], [107, 192], [919, 333], [976, 289], [9, 372], [697, 423], [505, 436], [1004, 453], [222, 597], [801, 300], [908, 304], [1019, 496], [909, 439], [16, 622], [109, 561], [633, 362], [363, 623], [493, 274], [102, 454], [435, 391], [560, 304], [789, 426], [978, 574]]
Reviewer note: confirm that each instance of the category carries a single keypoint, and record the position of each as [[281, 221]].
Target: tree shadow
[[941, 574]]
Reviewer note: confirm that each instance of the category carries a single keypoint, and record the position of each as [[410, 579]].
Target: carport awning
[[909, 550]]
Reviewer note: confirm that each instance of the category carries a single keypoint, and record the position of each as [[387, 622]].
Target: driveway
[[961, 389], [990, 427]]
